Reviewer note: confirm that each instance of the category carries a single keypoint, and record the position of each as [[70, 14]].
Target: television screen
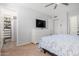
[[40, 23]]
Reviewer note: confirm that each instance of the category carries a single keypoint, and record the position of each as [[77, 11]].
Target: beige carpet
[[10, 49]]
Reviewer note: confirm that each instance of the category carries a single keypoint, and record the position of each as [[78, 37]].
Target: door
[[56, 26], [73, 25]]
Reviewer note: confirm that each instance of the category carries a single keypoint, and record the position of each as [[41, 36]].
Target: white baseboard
[[34, 42], [1, 44], [23, 43]]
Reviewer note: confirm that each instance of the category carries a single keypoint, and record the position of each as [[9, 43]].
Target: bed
[[61, 45]]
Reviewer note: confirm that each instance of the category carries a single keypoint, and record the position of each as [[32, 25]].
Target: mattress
[[61, 45]]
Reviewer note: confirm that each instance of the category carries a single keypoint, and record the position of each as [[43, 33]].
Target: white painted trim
[[23, 43], [34, 42]]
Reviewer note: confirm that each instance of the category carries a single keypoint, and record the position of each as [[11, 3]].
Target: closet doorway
[[9, 34]]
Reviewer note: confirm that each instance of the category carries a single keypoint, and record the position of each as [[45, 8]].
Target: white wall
[[61, 21], [64, 13], [0, 31], [37, 33], [26, 23], [14, 29]]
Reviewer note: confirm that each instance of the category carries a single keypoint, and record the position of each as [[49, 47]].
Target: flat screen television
[[40, 23]]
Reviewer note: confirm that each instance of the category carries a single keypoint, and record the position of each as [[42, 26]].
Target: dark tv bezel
[[41, 26]]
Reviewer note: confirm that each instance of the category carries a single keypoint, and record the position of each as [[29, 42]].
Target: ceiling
[[39, 6]]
